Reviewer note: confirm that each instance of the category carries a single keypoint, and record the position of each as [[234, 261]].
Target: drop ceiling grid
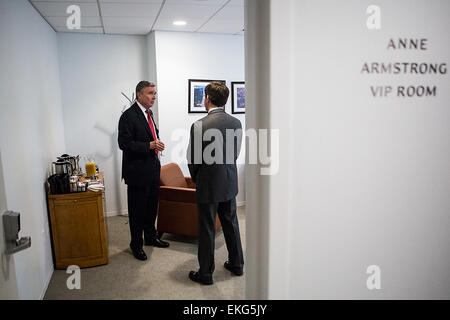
[[195, 13], [138, 16], [129, 18]]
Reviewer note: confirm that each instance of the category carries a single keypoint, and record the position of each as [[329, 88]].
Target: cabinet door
[[79, 232]]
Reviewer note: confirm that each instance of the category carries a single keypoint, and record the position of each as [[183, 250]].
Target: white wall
[[95, 69], [181, 56], [363, 180], [152, 74], [31, 136]]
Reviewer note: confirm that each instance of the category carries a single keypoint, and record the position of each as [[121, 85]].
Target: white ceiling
[[144, 16]]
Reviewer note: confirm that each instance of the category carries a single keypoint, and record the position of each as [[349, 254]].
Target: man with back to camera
[[216, 181], [138, 139]]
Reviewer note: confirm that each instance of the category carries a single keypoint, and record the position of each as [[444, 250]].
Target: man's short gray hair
[[143, 84]]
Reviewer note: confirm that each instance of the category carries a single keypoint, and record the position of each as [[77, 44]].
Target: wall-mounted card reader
[[11, 225]]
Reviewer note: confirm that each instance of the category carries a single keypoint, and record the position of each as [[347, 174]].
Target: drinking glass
[[90, 167]]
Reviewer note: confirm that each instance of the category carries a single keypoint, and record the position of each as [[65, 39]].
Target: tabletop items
[[68, 176]]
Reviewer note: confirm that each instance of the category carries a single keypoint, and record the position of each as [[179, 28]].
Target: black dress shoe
[[196, 277], [236, 271], [139, 254], [157, 243]]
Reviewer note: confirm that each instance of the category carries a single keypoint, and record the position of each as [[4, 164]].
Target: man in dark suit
[[214, 146], [139, 141]]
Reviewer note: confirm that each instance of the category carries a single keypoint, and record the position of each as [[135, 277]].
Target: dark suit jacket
[[140, 165], [216, 182]]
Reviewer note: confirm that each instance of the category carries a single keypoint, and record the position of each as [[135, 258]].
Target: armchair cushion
[[177, 194], [171, 175], [191, 184]]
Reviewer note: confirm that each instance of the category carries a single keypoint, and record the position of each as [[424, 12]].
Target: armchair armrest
[[190, 183], [177, 194]]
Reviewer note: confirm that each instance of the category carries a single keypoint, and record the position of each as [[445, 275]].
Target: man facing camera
[[214, 146], [139, 141]]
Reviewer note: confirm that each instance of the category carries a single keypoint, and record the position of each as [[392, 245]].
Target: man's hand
[[158, 145]]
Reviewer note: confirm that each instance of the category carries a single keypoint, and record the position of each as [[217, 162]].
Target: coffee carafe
[[74, 161], [62, 167]]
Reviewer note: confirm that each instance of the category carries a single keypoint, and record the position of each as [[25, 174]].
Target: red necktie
[[152, 127]]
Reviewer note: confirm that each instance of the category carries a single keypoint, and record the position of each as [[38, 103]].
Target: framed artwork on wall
[[196, 93], [238, 97]]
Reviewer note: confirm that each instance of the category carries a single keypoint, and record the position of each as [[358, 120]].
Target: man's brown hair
[[218, 93]]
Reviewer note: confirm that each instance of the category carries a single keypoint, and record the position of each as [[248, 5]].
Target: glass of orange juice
[[90, 167]]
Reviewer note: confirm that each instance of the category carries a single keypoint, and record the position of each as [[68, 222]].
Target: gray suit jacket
[[212, 160]]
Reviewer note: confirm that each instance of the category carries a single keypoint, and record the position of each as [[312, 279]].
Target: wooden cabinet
[[78, 229]]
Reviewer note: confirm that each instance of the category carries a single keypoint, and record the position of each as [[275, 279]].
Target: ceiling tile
[[228, 20], [240, 3], [71, 1], [132, 1], [85, 21], [216, 3], [128, 22], [182, 11], [129, 9], [231, 13], [83, 30], [127, 30], [58, 9], [222, 26], [167, 25]]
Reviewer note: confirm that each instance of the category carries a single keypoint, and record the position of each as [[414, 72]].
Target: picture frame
[[238, 97], [196, 95]]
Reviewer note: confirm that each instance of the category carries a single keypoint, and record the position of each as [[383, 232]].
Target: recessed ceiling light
[[179, 23]]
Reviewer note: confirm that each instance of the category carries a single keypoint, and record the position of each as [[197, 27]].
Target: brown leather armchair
[[177, 203]]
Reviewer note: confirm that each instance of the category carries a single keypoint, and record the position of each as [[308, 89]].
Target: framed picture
[[238, 97], [197, 94]]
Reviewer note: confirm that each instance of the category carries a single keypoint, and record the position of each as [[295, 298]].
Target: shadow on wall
[[115, 158], [114, 155]]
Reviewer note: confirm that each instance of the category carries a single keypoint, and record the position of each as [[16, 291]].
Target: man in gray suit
[[214, 146]]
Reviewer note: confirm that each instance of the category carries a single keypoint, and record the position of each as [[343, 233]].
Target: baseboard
[[117, 213], [47, 282]]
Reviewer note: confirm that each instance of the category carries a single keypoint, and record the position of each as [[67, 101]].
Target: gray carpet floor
[[163, 276]]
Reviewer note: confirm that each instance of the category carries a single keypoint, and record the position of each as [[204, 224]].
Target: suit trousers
[[142, 211], [207, 221]]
